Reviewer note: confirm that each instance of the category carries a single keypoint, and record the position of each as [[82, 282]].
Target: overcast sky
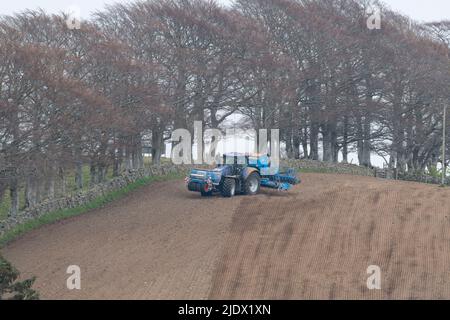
[[421, 10]]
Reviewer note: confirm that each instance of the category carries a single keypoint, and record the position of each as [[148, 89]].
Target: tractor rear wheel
[[252, 184], [228, 189]]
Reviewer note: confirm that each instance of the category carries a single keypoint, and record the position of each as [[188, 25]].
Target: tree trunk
[[327, 143], [51, 183], [363, 144], [101, 173], [345, 141], [367, 147], [129, 154], [14, 194], [157, 145], [62, 178], [3, 188], [137, 156], [314, 142], [345, 153], [289, 145], [79, 175], [305, 143], [296, 143], [93, 174], [31, 191], [117, 162]]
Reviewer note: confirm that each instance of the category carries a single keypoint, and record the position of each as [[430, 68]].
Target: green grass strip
[[334, 171], [99, 202]]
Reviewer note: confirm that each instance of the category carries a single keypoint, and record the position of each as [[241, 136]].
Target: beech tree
[[94, 97]]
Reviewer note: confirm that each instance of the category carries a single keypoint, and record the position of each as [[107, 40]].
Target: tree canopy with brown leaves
[[95, 96]]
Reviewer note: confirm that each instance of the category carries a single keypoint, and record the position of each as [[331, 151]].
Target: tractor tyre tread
[[227, 187]]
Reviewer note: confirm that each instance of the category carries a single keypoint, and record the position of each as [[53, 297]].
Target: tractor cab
[[235, 163]]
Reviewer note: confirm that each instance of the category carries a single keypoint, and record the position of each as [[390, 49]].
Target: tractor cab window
[[235, 160]]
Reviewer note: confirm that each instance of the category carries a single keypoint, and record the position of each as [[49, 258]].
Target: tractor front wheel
[[228, 189], [252, 184]]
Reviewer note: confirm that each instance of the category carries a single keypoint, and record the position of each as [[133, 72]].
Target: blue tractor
[[240, 174]]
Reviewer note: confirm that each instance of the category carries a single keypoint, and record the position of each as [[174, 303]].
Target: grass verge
[[95, 204], [329, 170], [315, 170]]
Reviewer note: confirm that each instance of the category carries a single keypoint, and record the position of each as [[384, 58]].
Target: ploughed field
[[313, 242]]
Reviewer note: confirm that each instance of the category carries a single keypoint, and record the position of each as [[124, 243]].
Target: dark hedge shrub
[[10, 288]]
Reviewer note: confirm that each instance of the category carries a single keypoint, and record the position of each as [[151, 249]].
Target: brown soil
[[313, 242]]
